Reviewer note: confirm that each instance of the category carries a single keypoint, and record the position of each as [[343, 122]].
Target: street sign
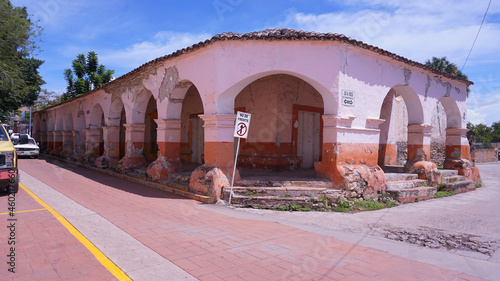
[[242, 124], [347, 98], [240, 131]]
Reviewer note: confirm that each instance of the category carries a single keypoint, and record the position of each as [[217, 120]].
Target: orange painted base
[[388, 154], [352, 167], [113, 149], [220, 154], [458, 152], [419, 152], [171, 151], [273, 163]]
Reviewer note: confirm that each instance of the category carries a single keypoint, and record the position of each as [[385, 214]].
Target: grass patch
[[251, 193], [479, 185], [444, 193], [363, 205]]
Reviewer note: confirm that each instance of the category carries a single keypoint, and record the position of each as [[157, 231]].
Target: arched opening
[[68, 141], [96, 123], [150, 134], [117, 117], [286, 127], [456, 143], [80, 133], [438, 135], [44, 137], [400, 109], [393, 140], [123, 120], [192, 131]]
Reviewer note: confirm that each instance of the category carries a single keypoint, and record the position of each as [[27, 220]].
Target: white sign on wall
[[347, 98], [242, 124]]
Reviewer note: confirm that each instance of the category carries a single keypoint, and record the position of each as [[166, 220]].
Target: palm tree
[[443, 65]]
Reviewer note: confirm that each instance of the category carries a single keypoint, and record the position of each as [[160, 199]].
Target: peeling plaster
[[407, 74], [170, 80], [427, 86]]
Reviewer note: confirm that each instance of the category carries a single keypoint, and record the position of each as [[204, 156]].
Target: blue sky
[[126, 34]]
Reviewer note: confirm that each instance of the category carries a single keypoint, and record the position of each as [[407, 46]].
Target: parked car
[[28, 148], [9, 175]]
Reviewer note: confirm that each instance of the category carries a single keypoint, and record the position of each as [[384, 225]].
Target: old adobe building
[[318, 101]]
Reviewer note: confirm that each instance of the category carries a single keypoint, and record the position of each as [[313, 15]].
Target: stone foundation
[[160, 169]]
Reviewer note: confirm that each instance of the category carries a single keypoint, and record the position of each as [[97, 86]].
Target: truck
[[9, 173]]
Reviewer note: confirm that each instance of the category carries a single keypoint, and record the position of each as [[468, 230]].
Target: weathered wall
[[191, 107], [485, 155], [438, 135], [271, 101]]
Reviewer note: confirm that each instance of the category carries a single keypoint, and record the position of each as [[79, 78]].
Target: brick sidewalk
[[212, 246], [44, 249]]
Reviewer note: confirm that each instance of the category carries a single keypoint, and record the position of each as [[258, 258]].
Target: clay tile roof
[[278, 34]]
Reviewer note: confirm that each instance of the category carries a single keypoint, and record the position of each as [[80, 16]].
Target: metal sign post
[[240, 131]]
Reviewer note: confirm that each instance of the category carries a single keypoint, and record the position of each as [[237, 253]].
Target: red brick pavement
[[44, 249], [212, 246]]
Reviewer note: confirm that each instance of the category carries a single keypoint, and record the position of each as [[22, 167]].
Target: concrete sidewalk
[[166, 234]]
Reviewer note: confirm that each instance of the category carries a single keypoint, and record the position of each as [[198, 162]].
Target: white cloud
[[420, 30], [163, 43], [483, 108], [414, 29]]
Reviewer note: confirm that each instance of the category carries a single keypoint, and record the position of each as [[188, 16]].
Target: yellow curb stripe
[[18, 212], [115, 270]]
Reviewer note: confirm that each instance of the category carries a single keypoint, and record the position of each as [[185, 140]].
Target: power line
[[477, 35]]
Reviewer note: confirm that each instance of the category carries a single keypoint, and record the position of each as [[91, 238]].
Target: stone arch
[[60, 123], [150, 130], [192, 131], [453, 115], [140, 106], [52, 124], [115, 110], [68, 122], [176, 99], [225, 101], [96, 117], [96, 138], [80, 126], [286, 128], [400, 109], [43, 127], [80, 121], [118, 117]]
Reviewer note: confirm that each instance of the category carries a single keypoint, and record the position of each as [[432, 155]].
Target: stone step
[[412, 194], [270, 202], [451, 179], [392, 177], [459, 186], [405, 184], [178, 177], [393, 169], [253, 191], [285, 183], [448, 173]]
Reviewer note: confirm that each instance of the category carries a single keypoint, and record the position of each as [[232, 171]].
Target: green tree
[[89, 75], [496, 132], [46, 98], [19, 78], [483, 133]]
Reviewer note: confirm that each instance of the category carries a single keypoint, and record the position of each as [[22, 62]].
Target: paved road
[[152, 235]]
